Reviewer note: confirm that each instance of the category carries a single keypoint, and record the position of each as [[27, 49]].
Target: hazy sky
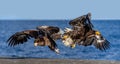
[[59, 9]]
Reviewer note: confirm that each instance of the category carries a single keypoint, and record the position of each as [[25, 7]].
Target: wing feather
[[100, 43], [49, 29], [103, 45], [22, 37], [52, 30], [52, 45]]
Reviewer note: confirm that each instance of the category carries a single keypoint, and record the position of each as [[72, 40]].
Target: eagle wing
[[22, 37], [76, 21], [52, 45], [54, 32], [101, 44], [84, 20], [50, 29]]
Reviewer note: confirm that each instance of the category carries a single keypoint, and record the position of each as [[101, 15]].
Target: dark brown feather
[[103, 45], [52, 31], [22, 37]]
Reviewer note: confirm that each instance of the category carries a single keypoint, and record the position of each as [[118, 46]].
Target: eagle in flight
[[44, 36], [83, 33]]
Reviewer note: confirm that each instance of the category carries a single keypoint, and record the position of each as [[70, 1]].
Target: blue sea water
[[110, 29]]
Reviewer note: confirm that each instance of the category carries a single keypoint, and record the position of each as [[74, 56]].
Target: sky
[[59, 9]]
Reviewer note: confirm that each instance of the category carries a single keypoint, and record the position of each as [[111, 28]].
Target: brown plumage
[[92, 37], [55, 32], [42, 38], [82, 33], [82, 21], [95, 38]]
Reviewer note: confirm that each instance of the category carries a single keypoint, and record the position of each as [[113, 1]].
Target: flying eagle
[[82, 33], [93, 37], [44, 36]]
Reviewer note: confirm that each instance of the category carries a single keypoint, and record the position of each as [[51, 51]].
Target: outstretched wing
[[84, 20], [22, 37], [101, 44], [50, 29], [54, 32], [77, 21]]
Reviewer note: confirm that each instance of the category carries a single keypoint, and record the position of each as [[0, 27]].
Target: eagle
[[43, 35], [83, 33], [93, 37]]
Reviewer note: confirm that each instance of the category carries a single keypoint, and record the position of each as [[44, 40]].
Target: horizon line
[[56, 19]]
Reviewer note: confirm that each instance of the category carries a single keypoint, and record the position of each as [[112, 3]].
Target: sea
[[110, 29]]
